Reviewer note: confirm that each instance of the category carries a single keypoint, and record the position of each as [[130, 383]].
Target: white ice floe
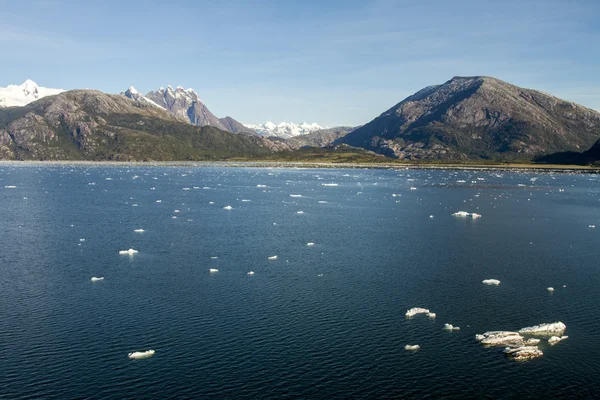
[[418, 310], [450, 327], [141, 354], [329, 184], [495, 282], [261, 186], [250, 272], [245, 201], [213, 270], [139, 230], [500, 338], [299, 212], [273, 258], [550, 289], [96, 279], [10, 187], [591, 226], [159, 201], [523, 352], [295, 195], [554, 327], [555, 339], [227, 208], [130, 251], [412, 347], [413, 188], [532, 342], [322, 202], [310, 244], [431, 217], [464, 214]]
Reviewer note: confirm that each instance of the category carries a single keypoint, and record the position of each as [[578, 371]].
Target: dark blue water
[[322, 321]]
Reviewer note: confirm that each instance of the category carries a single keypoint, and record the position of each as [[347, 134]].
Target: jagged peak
[[132, 90]]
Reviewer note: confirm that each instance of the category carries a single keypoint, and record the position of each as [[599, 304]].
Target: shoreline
[[309, 164]]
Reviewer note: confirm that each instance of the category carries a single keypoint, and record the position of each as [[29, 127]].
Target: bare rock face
[[478, 117], [320, 138]]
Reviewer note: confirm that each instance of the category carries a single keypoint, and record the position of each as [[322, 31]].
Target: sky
[[333, 62]]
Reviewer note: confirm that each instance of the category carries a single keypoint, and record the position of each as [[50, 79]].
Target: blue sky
[[334, 62]]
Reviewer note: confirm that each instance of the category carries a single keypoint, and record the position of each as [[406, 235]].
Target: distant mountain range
[[464, 119], [284, 130]]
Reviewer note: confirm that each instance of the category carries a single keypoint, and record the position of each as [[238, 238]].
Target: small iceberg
[[273, 258], [141, 354], [96, 279], [159, 201], [494, 282], [412, 347], [130, 251], [10, 187], [295, 195], [418, 310], [228, 208], [413, 188], [261, 186], [450, 327], [555, 339], [523, 352], [464, 214], [212, 270], [550, 289], [500, 338], [310, 244], [329, 184], [250, 272], [139, 230], [532, 342], [299, 212], [591, 226], [554, 327]]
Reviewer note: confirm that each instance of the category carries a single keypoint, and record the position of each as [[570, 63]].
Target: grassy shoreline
[[313, 164]]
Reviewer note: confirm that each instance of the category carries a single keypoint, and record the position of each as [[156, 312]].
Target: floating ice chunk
[[141, 354], [532, 342], [176, 211], [212, 270], [475, 215], [431, 217], [10, 187], [227, 208], [500, 338], [550, 289], [159, 201], [250, 272], [416, 310], [591, 226], [322, 202], [310, 244], [319, 275], [82, 240], [396, 195], [412, 347], [450, 327], [96, 279], [495, 282], [108, 179], [130, 251], [273, 258], [431, 315], [523, 352], [554, 327], [413, 188], [245, 200], [299, 212], [213, 258], [186, 188], [211, 202], [555, 339], [295, 195], [261, 186], [329, 184], [462, 214], [139, 230]]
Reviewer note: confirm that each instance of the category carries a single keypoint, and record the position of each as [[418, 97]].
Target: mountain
[[186, 104], [478, 118], [91, 125], [285, 129], [23, 94], [133, 94], [320, 138]]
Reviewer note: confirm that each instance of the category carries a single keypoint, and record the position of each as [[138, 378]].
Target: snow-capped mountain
[[285, 129], [23, 94], [135, 95]]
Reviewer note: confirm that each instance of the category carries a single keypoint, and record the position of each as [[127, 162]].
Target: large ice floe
[[544, 329], [418, 310], [523, 352], [141, 354], [501, 338]]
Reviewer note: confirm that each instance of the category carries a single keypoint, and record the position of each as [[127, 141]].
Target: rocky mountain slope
[[284, 130], [91, 125], [478, 117], [186, 105], [23, 94], [320, 138]]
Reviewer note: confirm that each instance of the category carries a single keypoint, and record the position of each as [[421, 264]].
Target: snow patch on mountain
[[285, 129], [23, 94], [133, 94]]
